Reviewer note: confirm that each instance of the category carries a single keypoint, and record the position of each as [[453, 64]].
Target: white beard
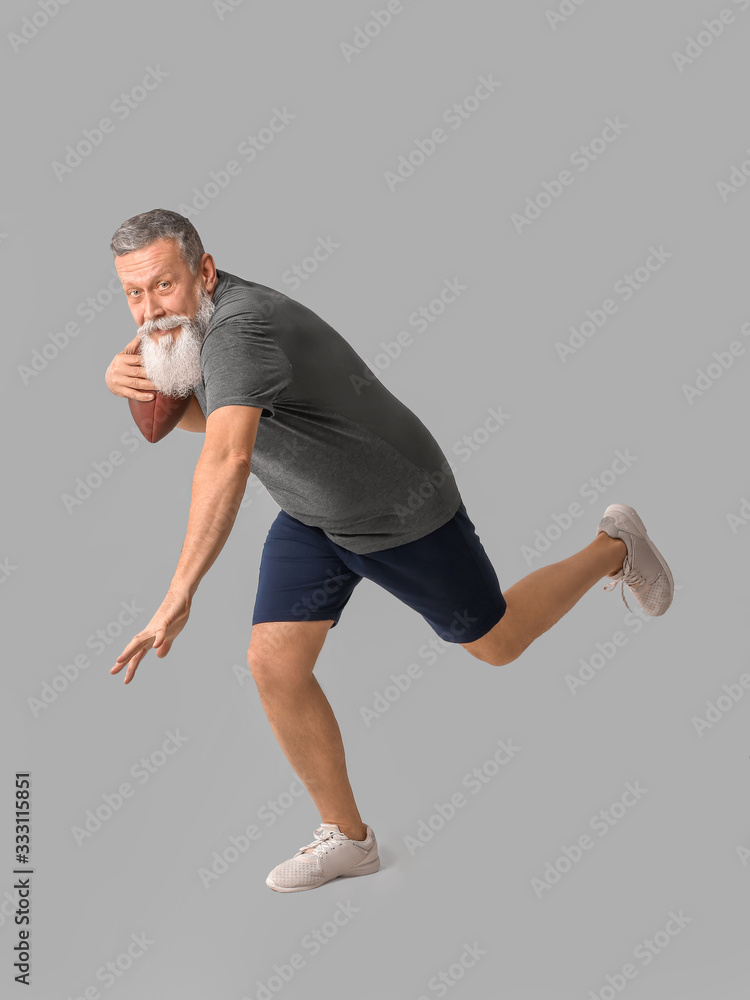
[[173, 363]]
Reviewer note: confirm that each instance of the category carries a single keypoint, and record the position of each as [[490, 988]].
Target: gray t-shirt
[[334, 447]]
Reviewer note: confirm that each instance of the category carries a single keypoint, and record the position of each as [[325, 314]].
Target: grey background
[[682, 846]]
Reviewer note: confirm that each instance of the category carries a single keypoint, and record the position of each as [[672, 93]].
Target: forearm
[[218, 488]]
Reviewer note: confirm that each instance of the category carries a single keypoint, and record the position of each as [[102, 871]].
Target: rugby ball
[[156, 417]]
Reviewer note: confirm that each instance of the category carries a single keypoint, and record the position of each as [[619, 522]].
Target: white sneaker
[[330, 855], [644, 570]]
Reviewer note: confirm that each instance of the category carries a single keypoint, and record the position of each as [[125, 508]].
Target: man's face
[[173, 310]]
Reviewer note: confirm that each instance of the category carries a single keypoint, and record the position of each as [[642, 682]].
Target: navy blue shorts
[[446, 576]]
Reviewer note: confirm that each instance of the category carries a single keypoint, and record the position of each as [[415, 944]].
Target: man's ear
[[208, 271]]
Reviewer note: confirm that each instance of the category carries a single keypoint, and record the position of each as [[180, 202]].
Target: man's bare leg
[[282, 656], [540, 599]]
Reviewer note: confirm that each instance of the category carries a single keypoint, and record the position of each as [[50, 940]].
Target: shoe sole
[[369, 869], [621, 508]]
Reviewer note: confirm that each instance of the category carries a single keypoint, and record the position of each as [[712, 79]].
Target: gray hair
[[142, 230]]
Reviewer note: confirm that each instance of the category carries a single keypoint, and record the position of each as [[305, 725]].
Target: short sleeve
[[242, 364]]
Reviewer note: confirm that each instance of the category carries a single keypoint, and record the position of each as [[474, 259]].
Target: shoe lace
[[628, 576], [323, 843]]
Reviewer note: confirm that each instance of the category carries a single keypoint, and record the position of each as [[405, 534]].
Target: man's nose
[[152, 308]]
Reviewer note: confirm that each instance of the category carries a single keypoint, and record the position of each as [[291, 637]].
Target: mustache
[[202, 316], [164, 323]]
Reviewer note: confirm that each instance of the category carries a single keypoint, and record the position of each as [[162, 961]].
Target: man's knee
[[272, 673], [498, 647], [496, 658], [258, 663], [284, 653], [270, 666]]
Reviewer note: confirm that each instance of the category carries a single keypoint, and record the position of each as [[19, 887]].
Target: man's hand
[[159, 634], [126, 375]]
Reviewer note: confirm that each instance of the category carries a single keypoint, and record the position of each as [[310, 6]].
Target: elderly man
[[364, 491]]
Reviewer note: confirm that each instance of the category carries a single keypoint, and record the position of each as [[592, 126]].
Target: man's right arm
[[193, 419]]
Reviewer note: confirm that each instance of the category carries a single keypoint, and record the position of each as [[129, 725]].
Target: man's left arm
[[218, 488]]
